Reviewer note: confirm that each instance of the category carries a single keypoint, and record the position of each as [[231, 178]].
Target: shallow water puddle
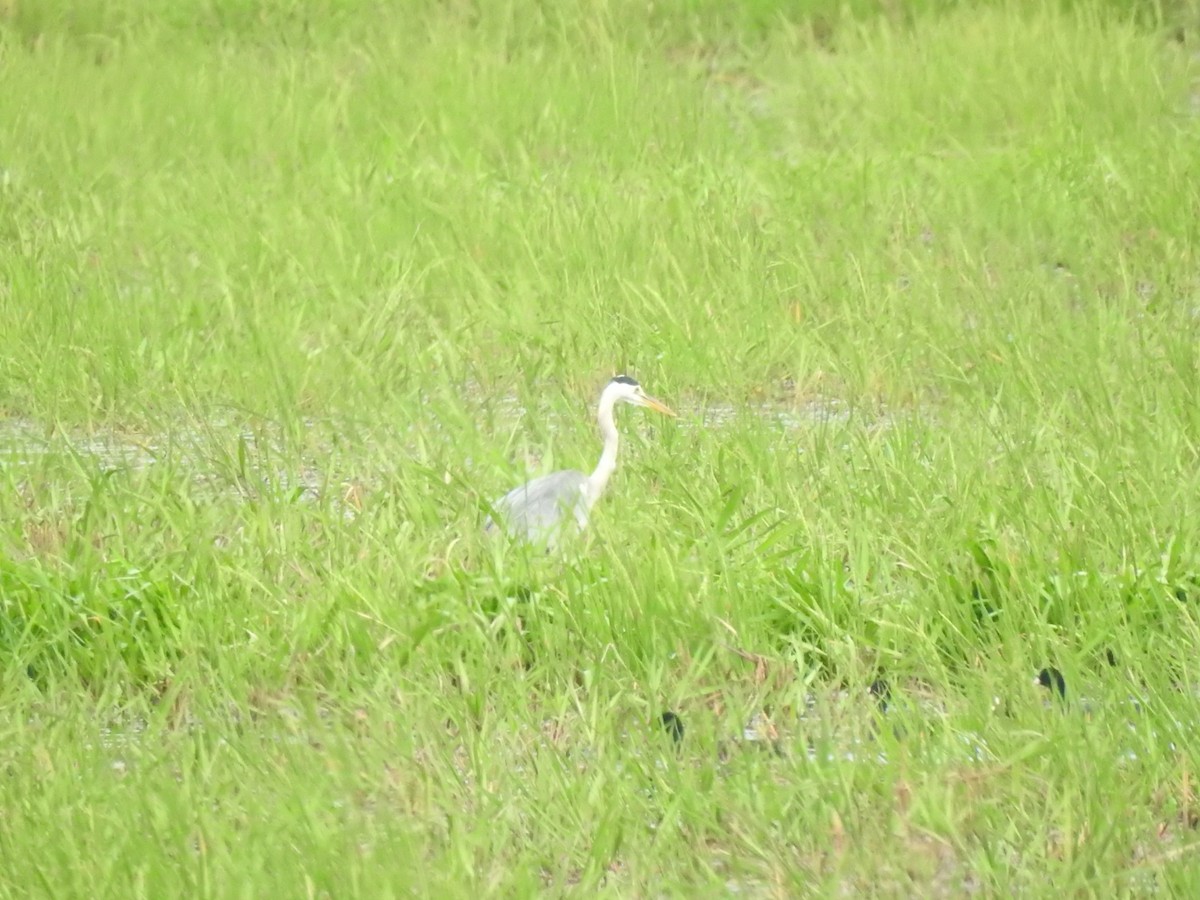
[[24, 441]]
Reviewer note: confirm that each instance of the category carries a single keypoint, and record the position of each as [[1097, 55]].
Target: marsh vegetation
[[288, 291]]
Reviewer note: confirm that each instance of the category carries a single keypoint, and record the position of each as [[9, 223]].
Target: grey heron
[[540, 509]]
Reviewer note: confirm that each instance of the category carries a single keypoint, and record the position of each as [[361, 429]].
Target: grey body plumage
[[539, 506]]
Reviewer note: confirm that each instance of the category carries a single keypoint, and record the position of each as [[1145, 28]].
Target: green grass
[[289, 291]]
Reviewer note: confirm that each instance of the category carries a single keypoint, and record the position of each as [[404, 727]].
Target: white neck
[[608, 459]]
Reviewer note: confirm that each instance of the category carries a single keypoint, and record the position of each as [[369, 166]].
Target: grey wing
[[541, 506]]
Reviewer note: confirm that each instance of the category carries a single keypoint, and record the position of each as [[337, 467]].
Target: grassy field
[[289, 291]]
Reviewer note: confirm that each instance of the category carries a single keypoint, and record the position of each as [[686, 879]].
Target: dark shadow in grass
[[512, 593], [1052, 680], [983, 578], [673, 725], [882, 692], [1187, 589]]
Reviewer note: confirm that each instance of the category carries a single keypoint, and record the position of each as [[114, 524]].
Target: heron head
[[626, 390]]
